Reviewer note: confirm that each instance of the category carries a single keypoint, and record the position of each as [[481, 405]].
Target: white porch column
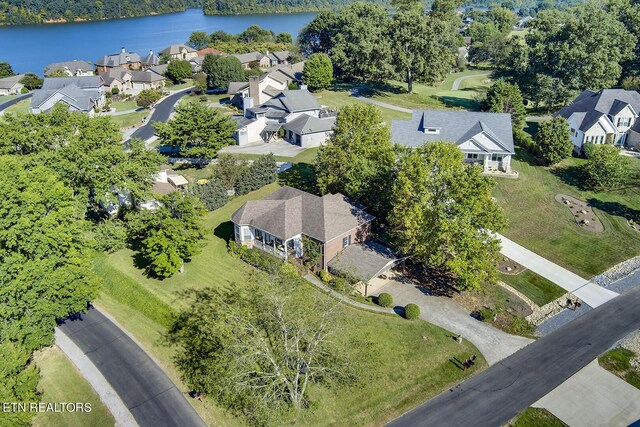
[[485, 164], [506, 163]]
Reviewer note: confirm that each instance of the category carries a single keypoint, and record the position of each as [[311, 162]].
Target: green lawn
[[617, 361], [537, 288], [5, 98], [211, 99], [20, 107], [124, 105], [340, 98], [536, 417], [187, 84], [62, 382], [130, 119], [539, 223], [391, 385]]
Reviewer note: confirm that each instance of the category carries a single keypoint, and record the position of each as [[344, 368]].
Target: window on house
[[237, 229], [624, 121], [599, 139], [346, 241], [573, 131], [472, 156], [259, 235], [496, 157], [246, 233]]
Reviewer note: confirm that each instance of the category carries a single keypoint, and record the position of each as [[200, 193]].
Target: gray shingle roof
[[83, 82], [118, 59], [288, 212], [454, 126], [306, 124], [175, 49], [11, 81], [82, 99], [72, 66], [594, 105], [151, 59], [291, 101], [145, 77], [364, 261], [248, 57]]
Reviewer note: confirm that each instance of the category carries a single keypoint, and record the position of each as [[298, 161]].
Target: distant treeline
[[17, 12]]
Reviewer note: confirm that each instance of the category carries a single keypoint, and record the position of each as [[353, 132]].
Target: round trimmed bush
[[411, 312], [385, 300]]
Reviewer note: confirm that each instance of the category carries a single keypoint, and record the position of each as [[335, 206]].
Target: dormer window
[[432, 130]]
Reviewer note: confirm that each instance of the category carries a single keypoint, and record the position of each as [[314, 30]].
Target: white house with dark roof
[[278, 223], [71, 68], [294, 114], [82, 94], [608, 116], [484, 138], [11, 85]]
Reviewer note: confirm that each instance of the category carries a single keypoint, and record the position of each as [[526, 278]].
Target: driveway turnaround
[[279, 147], [607, 394], [456, 82], [499, 393], [588, 292], [151, 397], [161, 113], [493, 343]]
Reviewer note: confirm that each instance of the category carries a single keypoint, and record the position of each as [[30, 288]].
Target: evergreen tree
[[222, 70], [503, 97], [318, 72], [178, 71], [553, 143]]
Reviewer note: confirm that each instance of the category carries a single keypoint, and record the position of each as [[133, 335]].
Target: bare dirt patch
[[509, 266], [583, 214]]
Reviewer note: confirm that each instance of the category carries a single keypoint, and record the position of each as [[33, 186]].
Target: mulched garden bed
[[583, 214], [509, 266]]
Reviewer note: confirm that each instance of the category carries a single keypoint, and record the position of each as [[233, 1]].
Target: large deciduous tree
[[318, 72], [553, 143], [5, 70], [169, 235], [317, 35], [424, 48], [179, 71], [443, 214], [198, 40], [262, 350], [199, 130], [357, 158], [605, 167], [222, 70]]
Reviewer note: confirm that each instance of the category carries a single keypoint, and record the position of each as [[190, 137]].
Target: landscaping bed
[[582, 213]]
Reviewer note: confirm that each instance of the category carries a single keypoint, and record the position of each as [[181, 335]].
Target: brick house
[[277, 223]]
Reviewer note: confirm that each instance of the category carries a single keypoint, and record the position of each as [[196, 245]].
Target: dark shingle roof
[[594, 105], [175, 49], [454, 126], [306, 124], [118, 59], [288, 212]]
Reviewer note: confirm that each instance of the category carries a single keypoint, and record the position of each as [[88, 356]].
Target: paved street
[[456, 82], [588, 292], [151, 397], [6, 104], [161, 113], [498, 394]]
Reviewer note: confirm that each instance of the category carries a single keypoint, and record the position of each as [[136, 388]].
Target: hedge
[[411, 312]]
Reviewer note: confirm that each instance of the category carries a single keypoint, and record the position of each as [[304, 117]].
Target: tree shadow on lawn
[[571, 175], [224, 231], [615, 209], [467, 104]]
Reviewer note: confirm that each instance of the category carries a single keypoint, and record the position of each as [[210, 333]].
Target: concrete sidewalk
[[593, 397], [493, 343], [588, 292]]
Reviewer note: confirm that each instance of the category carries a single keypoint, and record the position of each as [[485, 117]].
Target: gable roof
[[209, 50], [11, 81], [288, 212], [279, 56], [145, 77], [72, 66], [590, 106], [150, 59], [175, 49], [83, 82], [489, 132], [291, 101], [248, 57], [79, 98], [118, 59], [305, 124]]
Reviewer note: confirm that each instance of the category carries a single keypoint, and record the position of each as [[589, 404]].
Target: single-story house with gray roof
[[484, 138], [82, 94], [11, 85], [280, 222], [71, 68]]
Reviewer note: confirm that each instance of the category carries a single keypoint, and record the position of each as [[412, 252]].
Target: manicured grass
[[187, 84], [617, 361], [539, 223], [20, 107], [536, 417], [130, 119], [406, 362], [340, 98], [211, 99], [5, 98], [124, 105], [62, 382], [537, 288]]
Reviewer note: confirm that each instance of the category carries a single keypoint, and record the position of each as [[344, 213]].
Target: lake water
[[30, 48]]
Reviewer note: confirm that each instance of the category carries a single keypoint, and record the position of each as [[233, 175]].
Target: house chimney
[[246, 104], [266, 53], [254, 88], [122, 50], [150, 52]]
